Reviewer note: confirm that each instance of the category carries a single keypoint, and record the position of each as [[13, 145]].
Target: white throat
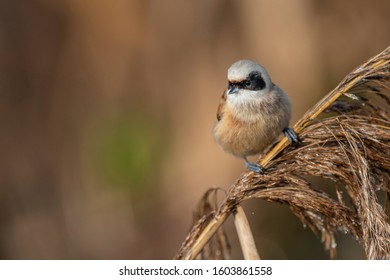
[[245, 104]]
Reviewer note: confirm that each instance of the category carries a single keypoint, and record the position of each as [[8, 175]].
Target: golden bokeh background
[[106, 111]]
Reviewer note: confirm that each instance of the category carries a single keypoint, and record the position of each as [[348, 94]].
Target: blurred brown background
[[106, 110]]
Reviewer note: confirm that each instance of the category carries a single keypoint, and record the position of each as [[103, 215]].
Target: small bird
[[252, 113]]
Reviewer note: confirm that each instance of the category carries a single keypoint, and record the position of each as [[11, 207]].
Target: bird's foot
[[292, 136], [254, 166]]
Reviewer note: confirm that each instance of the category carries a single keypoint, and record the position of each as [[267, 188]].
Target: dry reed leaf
[[346, 140], [218, 247]]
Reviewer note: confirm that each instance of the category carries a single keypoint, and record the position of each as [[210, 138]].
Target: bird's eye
[[248, 83]]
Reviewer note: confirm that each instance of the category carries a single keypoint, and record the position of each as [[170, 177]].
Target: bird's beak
[[232, 90]]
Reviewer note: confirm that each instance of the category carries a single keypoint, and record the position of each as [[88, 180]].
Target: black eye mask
[[254, 82]]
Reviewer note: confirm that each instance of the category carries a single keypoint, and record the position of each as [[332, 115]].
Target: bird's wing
[[221, 106]]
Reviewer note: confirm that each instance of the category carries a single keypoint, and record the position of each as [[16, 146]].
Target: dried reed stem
[[245, 235]]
